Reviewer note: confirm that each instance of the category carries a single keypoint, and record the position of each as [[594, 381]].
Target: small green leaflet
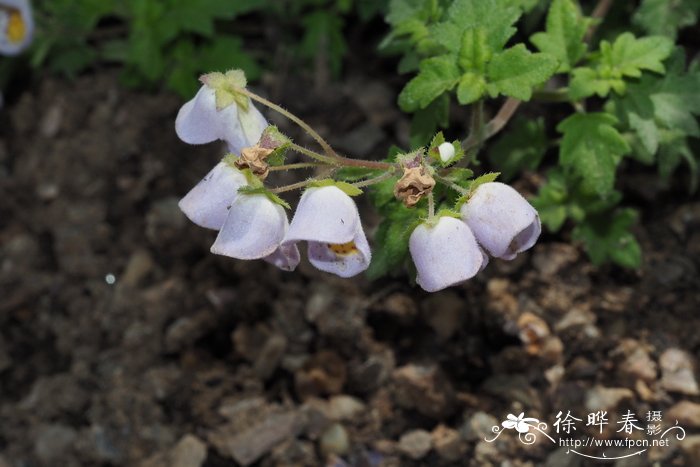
[[609, 238], [436, 76], [473, 185], [516, 71], [626, 57], [563, 38], [592, 147]]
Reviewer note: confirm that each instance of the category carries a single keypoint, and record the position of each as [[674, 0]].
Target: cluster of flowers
[[448, 249], [253, 226], [16, 26]]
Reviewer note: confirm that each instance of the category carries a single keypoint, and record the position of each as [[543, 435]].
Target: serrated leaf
[[586, 82], [666, 17], [472, 185], [564, 34], [516, 71], [630, 55], [608, 238], [523, 147], [592, 147], [471, 88], [436, 76], [496, 17]]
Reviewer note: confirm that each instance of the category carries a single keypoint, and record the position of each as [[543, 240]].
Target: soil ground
[[123, 341]]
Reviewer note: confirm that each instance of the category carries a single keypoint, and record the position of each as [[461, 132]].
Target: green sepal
[[230, 159], [225, 86], [274, 139], [261, 190], [347, 188], [473, 185]]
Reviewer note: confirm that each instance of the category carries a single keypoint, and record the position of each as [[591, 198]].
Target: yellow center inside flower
[[16, 29], [343, 249]]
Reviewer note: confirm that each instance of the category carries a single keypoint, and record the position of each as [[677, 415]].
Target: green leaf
[[592, 148], [437, 75], [609, 238], [472, 185], [475, 52], [564, 35], [523, 147], [586, 82], [629, 55], [666, 17], [516, 71], [496, 17], [471, 88]]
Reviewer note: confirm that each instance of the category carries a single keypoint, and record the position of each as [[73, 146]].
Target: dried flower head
[[413, 185], [254, 158]]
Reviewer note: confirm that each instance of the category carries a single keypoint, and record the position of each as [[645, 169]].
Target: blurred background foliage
[[170, 42]]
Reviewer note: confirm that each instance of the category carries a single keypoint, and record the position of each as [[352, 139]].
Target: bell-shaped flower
[[16, 26], [254, 228], [200, 121], [503, 222], [444, 253], [286, 257], [208, 203], [328, 220]]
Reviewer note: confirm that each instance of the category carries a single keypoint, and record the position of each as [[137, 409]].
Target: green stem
[[431, 206], [553, 95], [341, 161], [305, 126], [294, 186], [459, 189], [313, 154], [298, 165], [373, 181]]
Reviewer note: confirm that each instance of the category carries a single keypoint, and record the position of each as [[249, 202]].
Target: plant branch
[[298, 165], [374, 180], [293, 186], [305, 126], [495, 125], [599, 13], [459, 189], [313, 154]]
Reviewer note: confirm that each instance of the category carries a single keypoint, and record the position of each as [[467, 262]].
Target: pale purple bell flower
[[208, 203], [503, 222], [254, 228], [199, 121], [444, 254], [16, 26], [327, 219]]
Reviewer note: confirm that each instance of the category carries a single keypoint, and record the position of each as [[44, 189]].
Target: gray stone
[[677, 372], [334, 440], [415, 444], [52, 441]]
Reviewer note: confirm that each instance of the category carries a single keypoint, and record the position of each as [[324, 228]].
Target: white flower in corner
[[217, 113], [328, 220], [254, 229], [503, 222], [208, 203], [16, 26], [445, 253]]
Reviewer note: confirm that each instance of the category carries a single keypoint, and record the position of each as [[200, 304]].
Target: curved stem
[[495, 125], [599, 13], [342, 161], [305, 126], [372, 181], [313, 154]]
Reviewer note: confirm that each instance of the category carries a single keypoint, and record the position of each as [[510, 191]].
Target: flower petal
[[509, 424], [445, 254], [522, 427], [324, 215], [253, 229], [207, 204], [503, 222], [16, 26], [200, 122], [286, 257], [344, 260]]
